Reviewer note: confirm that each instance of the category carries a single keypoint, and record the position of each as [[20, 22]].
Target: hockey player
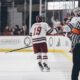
[[74, 28], [39, 30]]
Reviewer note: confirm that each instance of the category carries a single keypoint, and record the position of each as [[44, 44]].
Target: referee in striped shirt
[[74, 28]]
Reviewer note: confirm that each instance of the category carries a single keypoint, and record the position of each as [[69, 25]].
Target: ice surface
[[23, 66]]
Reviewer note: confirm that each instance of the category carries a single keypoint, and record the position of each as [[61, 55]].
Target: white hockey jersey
[[75, 19], [39, 31], [72, 24]]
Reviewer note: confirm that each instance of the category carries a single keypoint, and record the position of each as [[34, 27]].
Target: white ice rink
[[23, 66]]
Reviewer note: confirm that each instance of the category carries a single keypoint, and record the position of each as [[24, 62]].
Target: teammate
[[74, 28], [39, 31]]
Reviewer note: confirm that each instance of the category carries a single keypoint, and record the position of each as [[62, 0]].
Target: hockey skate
[[41, 66], [46, 67]]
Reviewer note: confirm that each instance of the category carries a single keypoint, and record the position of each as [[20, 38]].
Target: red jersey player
[[39, 30]]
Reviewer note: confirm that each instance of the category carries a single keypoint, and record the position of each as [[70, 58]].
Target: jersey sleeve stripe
[[70, 25]]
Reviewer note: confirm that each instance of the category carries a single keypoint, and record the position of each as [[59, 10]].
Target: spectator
[[16, 30], [7, 31]]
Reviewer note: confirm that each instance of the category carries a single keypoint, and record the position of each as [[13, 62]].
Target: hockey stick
[[27, 42], [19, 49]]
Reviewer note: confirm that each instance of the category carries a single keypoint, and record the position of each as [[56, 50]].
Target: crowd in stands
[[58, 25], [15, 30]]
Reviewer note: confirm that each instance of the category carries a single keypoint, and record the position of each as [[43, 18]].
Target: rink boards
[[55, 43]]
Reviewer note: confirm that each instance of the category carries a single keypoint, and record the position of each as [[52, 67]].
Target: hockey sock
[[39, 57], [44, 57]]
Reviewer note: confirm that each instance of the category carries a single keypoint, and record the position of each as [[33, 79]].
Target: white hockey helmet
[[76, 11]]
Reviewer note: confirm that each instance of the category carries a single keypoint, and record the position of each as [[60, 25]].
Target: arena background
[[23, 12], [16, 19]]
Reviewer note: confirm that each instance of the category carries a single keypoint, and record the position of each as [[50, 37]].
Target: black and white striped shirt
[[75, 38]]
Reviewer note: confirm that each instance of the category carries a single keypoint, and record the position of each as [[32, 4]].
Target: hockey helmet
[[39, 19], [76, 11]]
